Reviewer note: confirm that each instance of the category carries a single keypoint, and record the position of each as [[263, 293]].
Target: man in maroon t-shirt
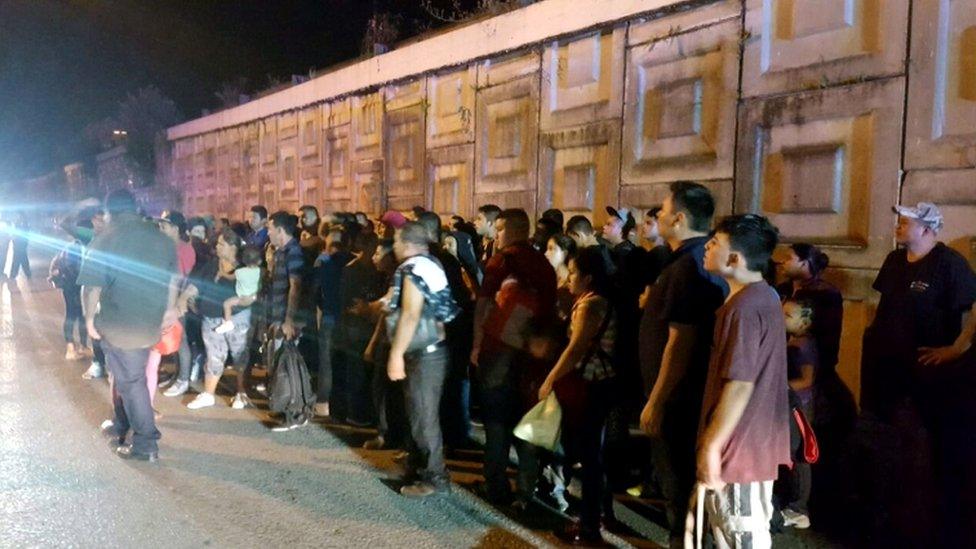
[[744, 432], [517, 296]]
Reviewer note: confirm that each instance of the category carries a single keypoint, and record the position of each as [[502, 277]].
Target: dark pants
[[586, 441], [97, 352], [326, 354], [503, 407], [191, 348], [422, 395], [130, 397], [456, 404], [355, 388], [388, 404], [674, 461], [20, 261], [73, 316]]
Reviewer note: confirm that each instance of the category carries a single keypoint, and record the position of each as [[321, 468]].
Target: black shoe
[[125, 452], [112, 435]]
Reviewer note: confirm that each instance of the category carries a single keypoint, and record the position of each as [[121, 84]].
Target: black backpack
[[289, 383]]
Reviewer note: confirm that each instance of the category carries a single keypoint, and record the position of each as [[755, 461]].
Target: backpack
[[290, 386]]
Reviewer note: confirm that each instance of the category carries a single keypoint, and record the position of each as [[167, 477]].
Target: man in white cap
[[917, 372]]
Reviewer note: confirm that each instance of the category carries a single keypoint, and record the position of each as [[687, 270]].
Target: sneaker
[[225, 326], [795, 519], [70, 353], [177, 388], [261, 388], [94, 371], [240, 401], [290, 426], [376, 443], [418, 490], [321, 409], [203, 400]]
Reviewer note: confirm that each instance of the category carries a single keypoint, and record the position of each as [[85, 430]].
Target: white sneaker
[[203, 400], [261, 388], [177, 388], [240, 401], [224, 327], [94, 371], [795, 519]]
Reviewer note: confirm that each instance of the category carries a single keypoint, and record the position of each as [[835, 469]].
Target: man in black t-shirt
[[918, 380], [673, 345]]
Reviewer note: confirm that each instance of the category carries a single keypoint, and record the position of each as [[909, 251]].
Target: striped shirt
[[288, 261]]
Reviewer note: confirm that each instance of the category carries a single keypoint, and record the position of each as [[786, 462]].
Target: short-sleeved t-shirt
[[922, 303], [289, 261], [186, 257], [133, 263], [749, 345], [213, 291], [828, 314], [684, 294], [801, 351]]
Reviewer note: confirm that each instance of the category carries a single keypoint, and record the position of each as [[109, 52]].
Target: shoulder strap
[[598, 338]]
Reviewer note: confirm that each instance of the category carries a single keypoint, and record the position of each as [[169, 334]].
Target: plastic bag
[[169, 342], [541, 425]]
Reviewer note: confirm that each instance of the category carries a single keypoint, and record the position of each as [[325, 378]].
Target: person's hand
[[92, 332], [474, 356], [182, 305], [710, 467], [395, 367], [172, 316], [933, 356], [650, 419], [545, 389], [288, 329]]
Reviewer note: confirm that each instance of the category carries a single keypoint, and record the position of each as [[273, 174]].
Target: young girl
[[248, 282], [802, 364]]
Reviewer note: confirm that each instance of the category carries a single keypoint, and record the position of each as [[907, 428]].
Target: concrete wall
[[818, 113]]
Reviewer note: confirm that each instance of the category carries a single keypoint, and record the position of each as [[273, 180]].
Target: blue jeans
[[130, 397]]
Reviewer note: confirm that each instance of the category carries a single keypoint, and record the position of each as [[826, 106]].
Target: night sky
[[67, 63]]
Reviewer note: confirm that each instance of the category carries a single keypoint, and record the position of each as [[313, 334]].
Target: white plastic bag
[[541, 425]]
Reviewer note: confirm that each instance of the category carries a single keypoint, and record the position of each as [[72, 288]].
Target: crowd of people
[[667, 320]]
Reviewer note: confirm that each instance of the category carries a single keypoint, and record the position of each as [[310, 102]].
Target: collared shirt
[[133, 263], [684, 294], [258, 239], [289, 261]]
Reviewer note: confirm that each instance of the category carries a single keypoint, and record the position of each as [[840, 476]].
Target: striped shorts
[[739, 515]]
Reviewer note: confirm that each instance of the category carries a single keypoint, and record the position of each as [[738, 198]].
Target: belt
[[426, 350]]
